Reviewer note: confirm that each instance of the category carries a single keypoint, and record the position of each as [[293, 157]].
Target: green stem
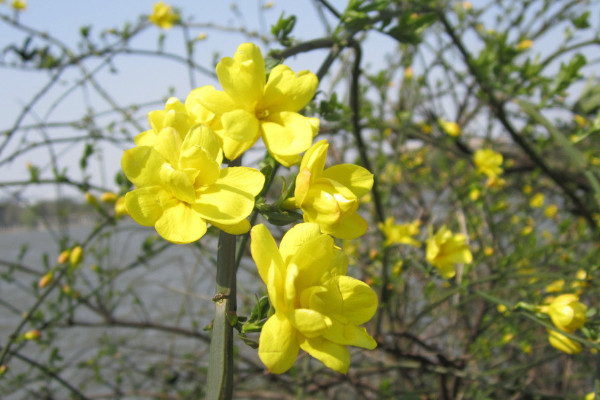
[[220, 369]]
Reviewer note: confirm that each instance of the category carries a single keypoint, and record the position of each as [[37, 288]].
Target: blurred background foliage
[[128, 316]]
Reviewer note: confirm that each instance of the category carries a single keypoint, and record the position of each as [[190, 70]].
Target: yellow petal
[[179, 223], [141, 165], [264, 251], [286, 91], [146, 138], [286, 134], [240, 125], [178, 183], [234, 229], [248, 180], [243, 76], [223, 204], [333, 355], [278, 344], [200, 137], [309, 322], [349, 226], [296, 237], [168, 145], [350, 335], [358, 179], [359, 300], [144, 205], [315, 157], [313, 261]]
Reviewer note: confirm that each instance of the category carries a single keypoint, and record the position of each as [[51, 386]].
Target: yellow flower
[[566, 312], [563, 343], [251, 107], [181, 187], [408, 73], [590, 396], [451, 128], [551, 211], [317, 308], [445, 249], [330, 197], [524, 44], [33, 334], [63, 256], [474, 194], [555, 286], [174, 116], [400, 233], [163, 16], [580, 121], [488, 162], [45, 280], [19, 5], [537, 200]]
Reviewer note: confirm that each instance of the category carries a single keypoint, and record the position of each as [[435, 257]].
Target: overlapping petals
[[317, 308], [444, 249], [488, 162], [400, 233], [181, 186], [251, 107], [329, 197]]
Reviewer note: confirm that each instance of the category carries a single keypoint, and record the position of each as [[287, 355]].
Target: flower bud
[[120, 208], [76, 256], [563, 343], [46, 279], [109, 197], [91, 199], [3, 369], [33, 334], [64, 256]]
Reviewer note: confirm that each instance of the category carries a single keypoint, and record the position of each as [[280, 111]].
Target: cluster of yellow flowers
[[181, 188]]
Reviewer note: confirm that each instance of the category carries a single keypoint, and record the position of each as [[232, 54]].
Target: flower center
[[261, 113]]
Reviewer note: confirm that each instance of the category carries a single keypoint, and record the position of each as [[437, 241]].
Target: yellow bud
[[501, 308], [451, 128], [567, 312], [108, 197], [3, 369], [590, 396], [373, 254], [91, 199], [474, 194], [408, 73], [488, 251], [268, 5], [76, 256], [551, 211], [537, 200], [33, 334], [580, 121], [507, 337], [563, 343], [120, 208], [201, 36], [66, 289], [524, 44], [555, 286], [64, 256], [527, 189], [467, 5], [19, 5], [46, 279]]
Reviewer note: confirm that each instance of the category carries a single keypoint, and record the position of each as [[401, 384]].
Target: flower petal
[[333, 355], [234, 229], [359, 299], [144, 205], [141, 166], [358, 179], [179, 223], [350, 335], [287, 91], [315, 157], [313, 261], [264, 251], [246, 179], [296, 237], [349, 226], [223, 204], [243, 76], [309, 322], [278, 344], [179, 183], [168, 144], [286, 133]]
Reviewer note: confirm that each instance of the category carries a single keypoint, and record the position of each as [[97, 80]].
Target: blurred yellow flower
[[163, 15], [566, 312], [408, 73], [537, 200], [76, 256], [109, 197], [451, 128], [444, 249], [488, 162], [563, 343], [330, 196], [19, 5], [551, 211], [474, 194], [33, 334], [181, 186], [251, 107], [527, 189], [45, 280], [400, 233], [524, 44], [174, 115], [317, 308], [580, 121], [555, 286]]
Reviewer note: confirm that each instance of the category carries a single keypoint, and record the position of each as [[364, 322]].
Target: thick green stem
[[220, 370]]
